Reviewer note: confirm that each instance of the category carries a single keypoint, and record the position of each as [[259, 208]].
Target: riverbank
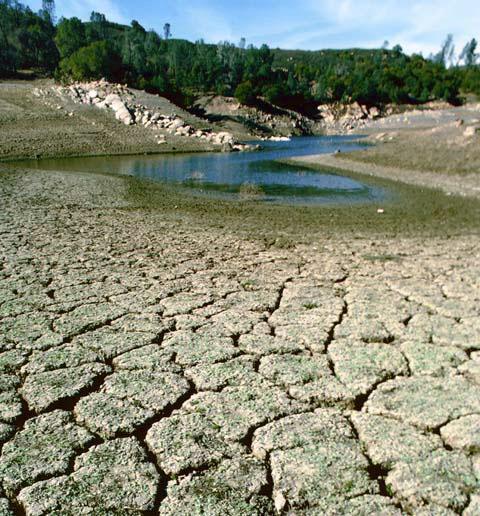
[[365, 164], [33, 126], [170, 354]]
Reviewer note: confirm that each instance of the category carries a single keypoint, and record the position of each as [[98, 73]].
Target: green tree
[[70, 36]]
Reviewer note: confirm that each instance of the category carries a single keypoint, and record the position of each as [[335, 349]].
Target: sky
[[416, 25]]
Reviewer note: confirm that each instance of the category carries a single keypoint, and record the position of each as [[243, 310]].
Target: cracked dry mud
[[149, 365]]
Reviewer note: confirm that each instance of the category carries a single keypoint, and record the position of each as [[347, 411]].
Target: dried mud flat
[[152, 365]]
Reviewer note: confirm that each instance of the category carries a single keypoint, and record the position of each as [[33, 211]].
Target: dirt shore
[[164, 354], [33, 127]]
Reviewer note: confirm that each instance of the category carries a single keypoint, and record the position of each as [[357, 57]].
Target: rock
[[111, 478], [43, 448], [470, 131]]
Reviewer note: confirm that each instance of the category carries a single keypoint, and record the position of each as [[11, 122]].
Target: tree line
[[181, 70]]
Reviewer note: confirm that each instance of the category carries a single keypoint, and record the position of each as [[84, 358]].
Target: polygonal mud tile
[[299, 430], [287, 370], [388, 441], [318, 471], [187, 442], [432, 360], [109, 343], [233, 487], [471, 369], [67, 355], [184, 303], [359, 506], [324, 392], [193, 348], [42, 390], [86, 318], [463, 434], [267, 345], [149, 389], [361, 367], [11, 361], [213, 377], [238, 409], [10, 406], [109, 416], [111, 478], [306, 336], [425, 401], [43, 448], [442, 478], [151, 357]]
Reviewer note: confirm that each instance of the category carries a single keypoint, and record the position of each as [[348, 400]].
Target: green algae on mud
[[412, 211]]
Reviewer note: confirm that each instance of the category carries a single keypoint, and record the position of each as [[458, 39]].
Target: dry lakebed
[[167, 353]]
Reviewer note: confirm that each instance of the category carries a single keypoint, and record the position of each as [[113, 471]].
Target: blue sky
[[417, 25]]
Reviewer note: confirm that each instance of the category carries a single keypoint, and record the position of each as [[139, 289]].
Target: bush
[[92, 62], [245, 93]]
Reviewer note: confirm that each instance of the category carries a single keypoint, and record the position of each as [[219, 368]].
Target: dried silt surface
[[153, 364]]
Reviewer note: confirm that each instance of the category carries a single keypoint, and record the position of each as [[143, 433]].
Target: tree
[[447, 51], [70, 36], [468, 55], [95, 61], [48, 8], [167, 31]]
